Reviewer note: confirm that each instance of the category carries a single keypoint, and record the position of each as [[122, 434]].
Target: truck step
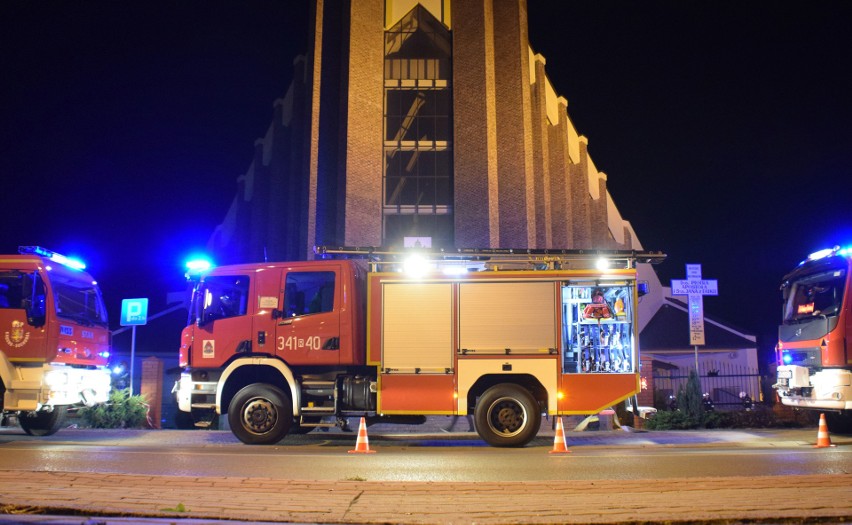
[[318, 410], [317, 425], [204, 406]]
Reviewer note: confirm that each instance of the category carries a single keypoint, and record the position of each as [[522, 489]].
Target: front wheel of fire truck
[[44, 423], [507, 416], [260, 414]]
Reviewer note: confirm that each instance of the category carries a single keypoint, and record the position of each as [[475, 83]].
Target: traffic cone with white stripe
[[559, 445], [362, 445], [823, 439]]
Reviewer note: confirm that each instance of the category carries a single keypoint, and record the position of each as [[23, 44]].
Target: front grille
[[807, 357]]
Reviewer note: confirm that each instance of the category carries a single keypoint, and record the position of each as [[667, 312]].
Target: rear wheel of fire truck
[[507, 416], [42, 423], [260, 414]]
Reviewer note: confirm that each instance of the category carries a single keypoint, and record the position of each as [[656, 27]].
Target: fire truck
[[55, 339], [814, 351], [502, 335]]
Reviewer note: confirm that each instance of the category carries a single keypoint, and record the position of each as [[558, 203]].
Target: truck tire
[[507, 415], [260, 414], [42, 423]]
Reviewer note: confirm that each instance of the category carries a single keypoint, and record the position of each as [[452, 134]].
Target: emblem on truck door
[[17, 338]]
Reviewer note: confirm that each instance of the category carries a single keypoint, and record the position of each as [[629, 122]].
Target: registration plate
[[785, 374]]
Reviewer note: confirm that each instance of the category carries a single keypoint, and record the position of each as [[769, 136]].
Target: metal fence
[[726, 384]]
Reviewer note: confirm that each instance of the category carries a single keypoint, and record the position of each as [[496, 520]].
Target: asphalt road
[[426, 477], [428, 457]]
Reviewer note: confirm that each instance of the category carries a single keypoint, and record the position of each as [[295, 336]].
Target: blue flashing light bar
[[787, 358], [74, 264], [198, 265], [845, 251]]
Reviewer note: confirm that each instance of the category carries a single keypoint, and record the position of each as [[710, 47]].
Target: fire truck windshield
[[78, 300], [816, 295]]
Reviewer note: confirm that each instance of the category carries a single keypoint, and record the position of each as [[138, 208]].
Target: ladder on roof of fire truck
[[497, 258]]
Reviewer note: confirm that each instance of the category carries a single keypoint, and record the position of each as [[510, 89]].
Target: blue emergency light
[[58, 258], [829, 252], [197, 265]]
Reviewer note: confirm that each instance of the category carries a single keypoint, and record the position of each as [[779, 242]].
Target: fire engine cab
[[55, 339], [504, 335], [814, 351]]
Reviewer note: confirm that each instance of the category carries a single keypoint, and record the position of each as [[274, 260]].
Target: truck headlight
[[56, 378]]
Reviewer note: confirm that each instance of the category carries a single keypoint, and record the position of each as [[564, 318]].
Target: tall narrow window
[[418, 167]]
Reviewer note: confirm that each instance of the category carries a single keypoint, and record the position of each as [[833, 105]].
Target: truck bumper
[[829, 389], [54, 385], [197, 394]]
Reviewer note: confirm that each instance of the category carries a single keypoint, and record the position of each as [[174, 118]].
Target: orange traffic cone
[[823, 439], [559, 445], [362, 445]]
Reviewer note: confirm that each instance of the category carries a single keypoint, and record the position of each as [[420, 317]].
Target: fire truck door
[[308, 332], [224, 327], [23, 317]]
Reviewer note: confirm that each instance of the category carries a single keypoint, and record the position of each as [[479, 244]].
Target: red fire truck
[[55, 343], [814, 349], [505, 335]]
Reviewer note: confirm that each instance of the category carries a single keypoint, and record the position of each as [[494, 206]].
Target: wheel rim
[[507, 417], [259, 415]]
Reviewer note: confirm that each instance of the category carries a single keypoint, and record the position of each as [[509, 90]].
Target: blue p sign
[[134, 312]]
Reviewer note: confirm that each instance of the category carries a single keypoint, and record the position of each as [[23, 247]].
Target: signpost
[[134, 312], [695, 288]]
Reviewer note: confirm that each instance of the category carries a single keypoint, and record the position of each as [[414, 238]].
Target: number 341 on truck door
[[295, 343]]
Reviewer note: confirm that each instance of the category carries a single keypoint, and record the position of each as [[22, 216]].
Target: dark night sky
[[723, 127]]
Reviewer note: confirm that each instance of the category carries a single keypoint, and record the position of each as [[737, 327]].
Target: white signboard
[[695, 288]]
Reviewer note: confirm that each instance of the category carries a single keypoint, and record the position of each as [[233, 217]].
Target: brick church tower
[[429, 122]]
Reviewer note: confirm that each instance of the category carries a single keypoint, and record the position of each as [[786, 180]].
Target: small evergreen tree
[[121, 411], [690, 399]]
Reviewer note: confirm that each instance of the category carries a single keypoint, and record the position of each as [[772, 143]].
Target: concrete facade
[[520, 177]]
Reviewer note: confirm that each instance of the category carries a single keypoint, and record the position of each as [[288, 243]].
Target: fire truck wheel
[[507, 416], [42, 423], [260, 414]]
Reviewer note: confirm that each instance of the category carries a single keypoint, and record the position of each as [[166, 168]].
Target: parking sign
[[134, 312]]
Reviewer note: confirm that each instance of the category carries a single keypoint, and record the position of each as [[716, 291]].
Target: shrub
[[121, 411], [690, 399], [669, 420], [759, 417], [690, 413]]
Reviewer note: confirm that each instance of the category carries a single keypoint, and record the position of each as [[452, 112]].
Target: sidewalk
[[763, 498]]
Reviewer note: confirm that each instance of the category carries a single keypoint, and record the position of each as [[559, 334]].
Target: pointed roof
[[418, 30], [668, 329]]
